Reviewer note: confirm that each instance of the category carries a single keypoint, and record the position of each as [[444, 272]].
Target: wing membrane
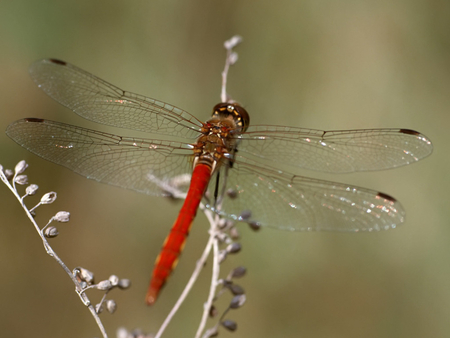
[[99, 101], [341, 151], [147, 166], [285, 201]]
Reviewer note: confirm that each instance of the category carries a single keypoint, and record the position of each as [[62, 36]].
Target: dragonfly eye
[[235, 111]]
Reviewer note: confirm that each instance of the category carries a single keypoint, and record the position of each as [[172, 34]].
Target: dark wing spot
[[409, 132], [59, 62], [33, 119], [386, 197]]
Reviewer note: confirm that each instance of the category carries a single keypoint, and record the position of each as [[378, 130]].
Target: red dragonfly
[[242, 159]]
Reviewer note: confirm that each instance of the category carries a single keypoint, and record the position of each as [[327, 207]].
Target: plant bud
[[20, 167], [62, 216], [31, 189], [104, 285], [21, 179], [48, 198], [51, 232]]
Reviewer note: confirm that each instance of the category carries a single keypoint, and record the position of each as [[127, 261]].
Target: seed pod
[[9, 174], [114, 280], [254, 225], [229, 325], [111, 306], [86, 275], [238, 272], [51, 232], [237, 301], [62, 216], [232, 193], [104, 285], [124, 284], [233, 248], [20, 167], [31, 189], [48, 198], [236, 289], [245, 215], [21, 179]]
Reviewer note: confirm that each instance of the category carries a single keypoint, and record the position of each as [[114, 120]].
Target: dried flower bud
[[232, 42], [237, 301], [51, 232], [212, 332], [48, 198], [62, 216], [114, 280], [254, 225], [9, 174], [122, 333], [234, 248], [111, 306], [233, 58], [229, 325], [20, 167], [104, 285], [234, 233], [124, 284], [245, 215], [86, 275], [213, 311], [21, 179], [99, 308], [238, 272], [31, 189], [222, 223], [236, 289], [232, 193]]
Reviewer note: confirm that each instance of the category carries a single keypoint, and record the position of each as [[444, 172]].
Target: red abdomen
[[174, 243]]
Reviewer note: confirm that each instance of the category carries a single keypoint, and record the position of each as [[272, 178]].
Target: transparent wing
[[99, 101], [148, 166], [285, 201], [341, 151]]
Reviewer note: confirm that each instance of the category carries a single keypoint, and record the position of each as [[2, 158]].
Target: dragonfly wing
[[285, 201], [153, 167], [341, 151], [101, 102]]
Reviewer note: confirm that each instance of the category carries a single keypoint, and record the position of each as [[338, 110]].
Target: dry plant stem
[[53, 254], [199, 266], [230, 59], [214, 277]]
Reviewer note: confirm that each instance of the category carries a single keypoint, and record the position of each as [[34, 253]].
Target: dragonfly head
[[232, 111]]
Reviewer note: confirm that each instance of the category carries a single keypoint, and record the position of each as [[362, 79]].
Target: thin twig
[[53, 254], [230, 59], [214, 278]]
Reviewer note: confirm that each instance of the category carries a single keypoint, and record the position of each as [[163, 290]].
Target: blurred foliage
[[317, 64]]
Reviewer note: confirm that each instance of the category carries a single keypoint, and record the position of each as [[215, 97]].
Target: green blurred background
[[312, 63]]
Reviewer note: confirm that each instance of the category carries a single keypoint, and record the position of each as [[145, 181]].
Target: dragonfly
[[224, 156]]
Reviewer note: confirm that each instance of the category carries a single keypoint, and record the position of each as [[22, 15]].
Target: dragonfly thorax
[[220, 134]]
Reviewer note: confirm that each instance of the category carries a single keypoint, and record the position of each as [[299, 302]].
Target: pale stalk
[[53, 254]]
